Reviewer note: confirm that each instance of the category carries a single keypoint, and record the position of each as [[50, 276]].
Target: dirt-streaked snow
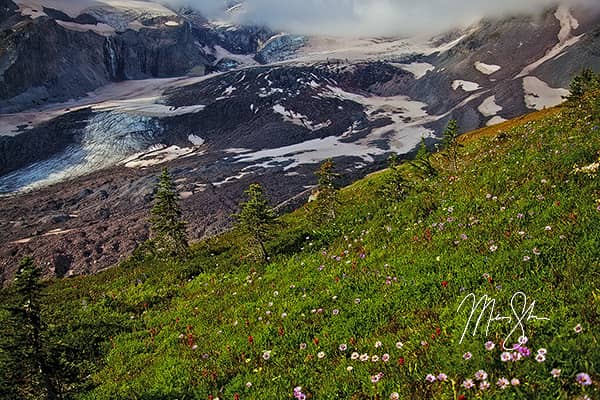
[[403, 133], [538, 95], [100, 29], [132, 96], [336, 48], [299, 119], [156, 157]]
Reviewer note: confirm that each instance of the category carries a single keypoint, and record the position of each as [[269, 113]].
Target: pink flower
[[442, 377], [484, 385], [578, 328], [385, 357], [540, 358], [523, 340], [481, 375], [343, 347], [467, 355], [503, 383], [515, 382], [430, 378], [583, 379], [542, 351], [489, 346], [505, 356], [468, 384], [555, 373], [399, 345], [354, 356]]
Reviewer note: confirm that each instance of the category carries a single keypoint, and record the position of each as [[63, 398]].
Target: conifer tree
[[256, 217], [422, 162], [328, 193], [396, 186], [24, 343], [167, 229], [450, 143], [585, 82]]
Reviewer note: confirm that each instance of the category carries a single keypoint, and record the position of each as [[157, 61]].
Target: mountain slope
[[383, 280], [87, 164]]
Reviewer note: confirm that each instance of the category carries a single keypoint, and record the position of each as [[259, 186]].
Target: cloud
[[371, 17]]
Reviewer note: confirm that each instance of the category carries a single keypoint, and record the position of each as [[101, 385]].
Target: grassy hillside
[[367, 306]]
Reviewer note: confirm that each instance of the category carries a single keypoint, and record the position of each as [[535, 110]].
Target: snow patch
[[538, 95], [465, 85], [487, 69], [419, 70], [100, 28], [402, 134], [157, 157], [196, 140], [229, 91], [299, 119], [495, 121], [130, 96], [488, 107], [231, 179]]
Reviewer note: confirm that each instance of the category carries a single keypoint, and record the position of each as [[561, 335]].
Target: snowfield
[[402, 134]]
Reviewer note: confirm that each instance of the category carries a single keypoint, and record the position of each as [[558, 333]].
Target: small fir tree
[[328, 193], [256, 217], [24, 340], [422, 164], [396, 186], [167, 228], [585, 82], [450, 143]]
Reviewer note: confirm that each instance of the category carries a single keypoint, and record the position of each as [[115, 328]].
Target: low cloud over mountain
[[370, 17]]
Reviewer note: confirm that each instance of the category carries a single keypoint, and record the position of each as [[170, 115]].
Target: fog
[[369, 17]]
